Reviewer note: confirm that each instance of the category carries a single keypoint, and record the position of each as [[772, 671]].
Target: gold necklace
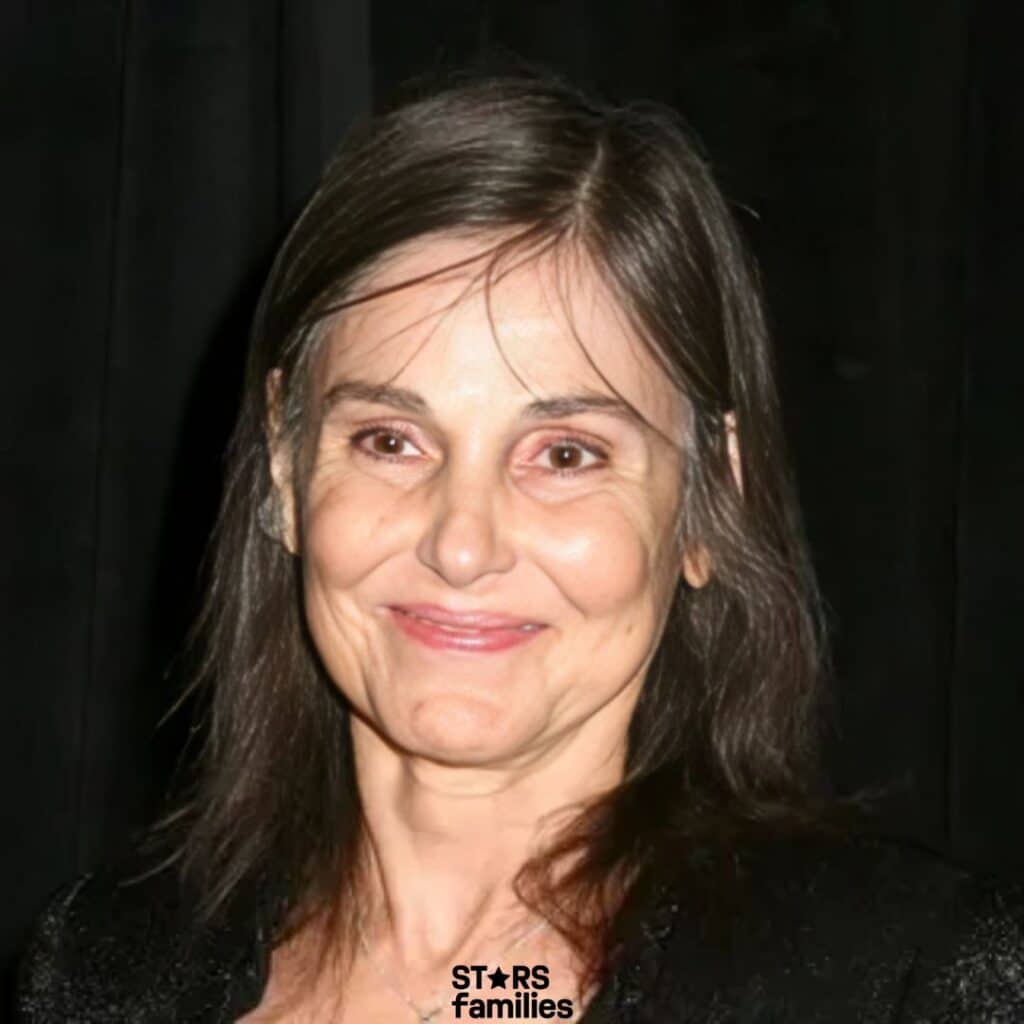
[[426, 1016]]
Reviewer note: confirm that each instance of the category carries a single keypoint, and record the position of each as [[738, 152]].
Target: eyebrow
[[541, 409]]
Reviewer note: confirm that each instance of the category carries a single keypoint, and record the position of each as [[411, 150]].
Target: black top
[[871, 930]]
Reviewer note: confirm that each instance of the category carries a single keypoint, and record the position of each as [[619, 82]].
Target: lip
[[465, 620], [451, 637]]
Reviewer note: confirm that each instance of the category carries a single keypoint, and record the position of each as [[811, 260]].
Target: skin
[[466, 761]]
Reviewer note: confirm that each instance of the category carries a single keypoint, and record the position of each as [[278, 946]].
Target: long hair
[[725, 733]]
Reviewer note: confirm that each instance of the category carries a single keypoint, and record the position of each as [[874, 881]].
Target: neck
[[446, 842]]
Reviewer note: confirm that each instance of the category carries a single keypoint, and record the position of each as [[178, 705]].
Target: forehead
[[539, 325]]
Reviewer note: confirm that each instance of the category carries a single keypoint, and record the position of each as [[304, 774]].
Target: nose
[[465, 537]]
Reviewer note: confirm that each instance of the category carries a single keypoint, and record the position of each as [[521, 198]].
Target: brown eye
[[380, 443], [386, 444], [566, 456]]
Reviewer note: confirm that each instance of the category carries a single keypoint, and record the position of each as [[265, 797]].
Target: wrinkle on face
[[472, 519]]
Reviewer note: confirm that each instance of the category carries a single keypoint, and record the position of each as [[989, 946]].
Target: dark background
[[153, 151]]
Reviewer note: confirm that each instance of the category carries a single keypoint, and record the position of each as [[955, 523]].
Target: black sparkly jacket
[[871, 931]]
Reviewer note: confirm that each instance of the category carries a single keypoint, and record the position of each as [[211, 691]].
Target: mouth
[[499, 633]]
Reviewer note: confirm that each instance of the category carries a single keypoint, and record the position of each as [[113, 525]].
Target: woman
[[511, 636]]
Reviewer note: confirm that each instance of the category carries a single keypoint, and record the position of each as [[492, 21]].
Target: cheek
[[345, 538], [600, 557], [345, 530]]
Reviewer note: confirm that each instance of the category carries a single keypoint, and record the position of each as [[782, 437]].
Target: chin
[[460, 730]]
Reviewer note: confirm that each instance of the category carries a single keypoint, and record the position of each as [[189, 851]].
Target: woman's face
[[455, 487]]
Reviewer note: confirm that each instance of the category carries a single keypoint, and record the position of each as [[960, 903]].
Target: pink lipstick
[[476, 631]]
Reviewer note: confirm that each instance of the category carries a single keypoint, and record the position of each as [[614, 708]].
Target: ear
[[696, 565], [696, 560], [280, 460], [733, 446]]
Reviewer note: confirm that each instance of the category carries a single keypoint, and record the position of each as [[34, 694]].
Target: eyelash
[[567, 441]]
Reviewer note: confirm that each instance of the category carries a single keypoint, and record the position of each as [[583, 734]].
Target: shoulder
[[118, 944], [961, 930], [871, 927]]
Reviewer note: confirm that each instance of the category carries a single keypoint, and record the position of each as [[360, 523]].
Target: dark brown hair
[[725, 733]]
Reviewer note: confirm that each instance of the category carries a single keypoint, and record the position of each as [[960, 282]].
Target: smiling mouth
[[474, 619], [466, 639], [529, 627]]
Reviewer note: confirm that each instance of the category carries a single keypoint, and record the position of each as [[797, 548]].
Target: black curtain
[[154, 154]]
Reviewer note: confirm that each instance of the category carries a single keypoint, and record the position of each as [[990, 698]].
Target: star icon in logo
[[498, 978]]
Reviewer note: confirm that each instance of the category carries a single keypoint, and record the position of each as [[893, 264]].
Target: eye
[[383, 443], [567, 456]]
